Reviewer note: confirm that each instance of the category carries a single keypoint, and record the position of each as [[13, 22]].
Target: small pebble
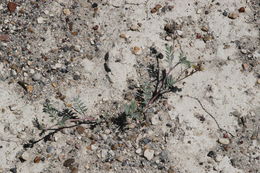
[[233, 15], [244, 51], [74, 170], [218, 158], [94, 5], [122, 36], [138, 151], [179, 32], [199, 11], [241, 9], [224, 141], [76, 77], [245, 66], [258, 81], [77, 48], [29, 88], [94, 147], [66, 11], [171, 170], [137, 50], [36, 77], [149, 154], [11, 6], [225, 13], [49, 149], [120, 158], [156, 8], [68, 162], [211, 154], [168, 38], [4, 37], [13, 170], [205, 29], [37, 159], [40, 20], [134, 27], [155, 120], [80, 129], [95, 27]]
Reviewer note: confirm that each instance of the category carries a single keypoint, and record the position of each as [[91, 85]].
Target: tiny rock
[[149, 154], [155, 120], [168, 38], [80, 129], [245, 66], [218, 158], [74, 170], [170, 28], [153, 10], [40, 20], [49, 149], [205, 29], [104, 153], [224, 141], [199, 11], [94, 147], [68, 162], [198, 36], [138, 151], [37, 159], [134, 27], [241, 9], [171, 170], [11, 6], [120, 158], [258, 81], [36, 77], [156, 8], [25, 156], [244, 51], [4, 37], [137, 50], [233, 15], [29, 88], [208, 38], [66, 11], [122, 36], [95, 27], [179, 32]]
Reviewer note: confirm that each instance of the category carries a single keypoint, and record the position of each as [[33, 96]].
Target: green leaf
[[169, 81], [50, 109], [183, 60], [79, 106], [169, 54], [147, 92], [131, 108]]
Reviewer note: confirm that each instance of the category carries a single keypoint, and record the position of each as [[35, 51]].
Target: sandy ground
[[225, 95]]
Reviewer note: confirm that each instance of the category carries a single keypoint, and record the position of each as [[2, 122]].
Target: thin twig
[[205, 110], [56, 130]]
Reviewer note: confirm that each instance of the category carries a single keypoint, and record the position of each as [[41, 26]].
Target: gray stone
[[149, 154], [49, 149], [224, 141], [37, 77]]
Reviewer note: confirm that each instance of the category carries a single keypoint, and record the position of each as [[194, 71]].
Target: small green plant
[[67, 117], [131, 109], [164, 81]]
